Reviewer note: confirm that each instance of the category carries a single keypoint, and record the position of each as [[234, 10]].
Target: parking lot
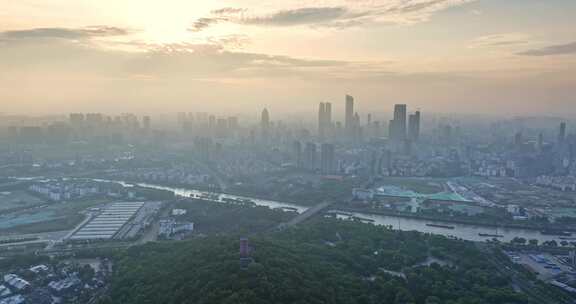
[[547, 266]]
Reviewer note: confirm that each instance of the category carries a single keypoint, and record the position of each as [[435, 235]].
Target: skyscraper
[[518, 139], [324, 120], [392, 129], [212, 124], [349, 119], [562, 133], [328, 116], [540, 142], [265, 124], [265, 118], [310, 156], [400, 121], [327, 159], [298, 154], [146, 123], [414, 126], [321, 114], [76, 120], [397, 127]]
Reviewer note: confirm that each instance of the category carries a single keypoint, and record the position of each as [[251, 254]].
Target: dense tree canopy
[[326, 261]]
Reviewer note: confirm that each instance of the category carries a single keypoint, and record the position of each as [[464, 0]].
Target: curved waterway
[[461, 231], [210, 196]]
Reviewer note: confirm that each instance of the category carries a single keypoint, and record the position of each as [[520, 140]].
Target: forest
[[323, 261]]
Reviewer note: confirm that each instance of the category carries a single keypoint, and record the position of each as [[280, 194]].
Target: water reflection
[[462, 231]]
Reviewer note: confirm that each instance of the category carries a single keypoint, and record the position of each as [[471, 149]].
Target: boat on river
[[490, 235], [440, 226], [361, 219], [555, 232]]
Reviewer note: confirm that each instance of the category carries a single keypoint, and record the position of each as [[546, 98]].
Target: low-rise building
[[4, 291], [61, 286], [16, 282], [39, 269], [170, 227], [363, 194], [15, 299]]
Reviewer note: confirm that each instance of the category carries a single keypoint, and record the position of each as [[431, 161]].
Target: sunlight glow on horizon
[[448, 54]]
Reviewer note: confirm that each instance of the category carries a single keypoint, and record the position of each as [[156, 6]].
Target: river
[[461, 231]]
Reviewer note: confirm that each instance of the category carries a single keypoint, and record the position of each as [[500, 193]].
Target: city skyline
[[334, 151], [482, 56]]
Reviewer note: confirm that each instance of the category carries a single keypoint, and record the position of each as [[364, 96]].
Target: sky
[[511, 57]]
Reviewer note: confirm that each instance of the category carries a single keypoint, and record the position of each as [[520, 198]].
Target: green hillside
[[326, 261]]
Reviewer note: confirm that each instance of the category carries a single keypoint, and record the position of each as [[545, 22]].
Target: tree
[[433, 300], [551, 243], [518, 240]]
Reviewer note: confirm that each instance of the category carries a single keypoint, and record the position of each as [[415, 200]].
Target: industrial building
[[118, 221]]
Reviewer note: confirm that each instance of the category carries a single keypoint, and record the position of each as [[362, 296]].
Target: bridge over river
[[305, 215]]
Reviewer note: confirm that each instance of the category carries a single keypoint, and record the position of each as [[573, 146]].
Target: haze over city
[[287, 152], [457, 56]]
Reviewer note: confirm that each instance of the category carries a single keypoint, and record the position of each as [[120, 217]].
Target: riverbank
[[447, 220], [465, 229], [198, 188]]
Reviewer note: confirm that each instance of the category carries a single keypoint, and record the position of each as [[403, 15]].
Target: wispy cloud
[[64, 33], [231, 42], [343, 14], [307, 15], [501, 40], [218, 57], [559, 49]]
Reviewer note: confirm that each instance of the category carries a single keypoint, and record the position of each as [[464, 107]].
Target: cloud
[[501, 40], [308, 15], [343, 14], [64, 33], [219, 57], [228, 10], [204, 23], [560, 49], [47, 73], [234, 41]]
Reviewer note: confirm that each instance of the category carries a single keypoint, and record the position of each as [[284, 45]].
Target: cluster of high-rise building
[[528, 156], [99, 121], [80, 126], [402, 129], [202, 123], [319, 155]]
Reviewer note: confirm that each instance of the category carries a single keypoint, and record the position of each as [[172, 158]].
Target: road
[[46, 236], [37, 238], [519, 280]]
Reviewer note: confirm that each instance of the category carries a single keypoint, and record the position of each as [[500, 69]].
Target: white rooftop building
[[108, 222], [4, 291], [16, 299], [16, 282]]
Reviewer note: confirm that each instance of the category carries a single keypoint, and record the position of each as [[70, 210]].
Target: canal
[[462, 231]]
